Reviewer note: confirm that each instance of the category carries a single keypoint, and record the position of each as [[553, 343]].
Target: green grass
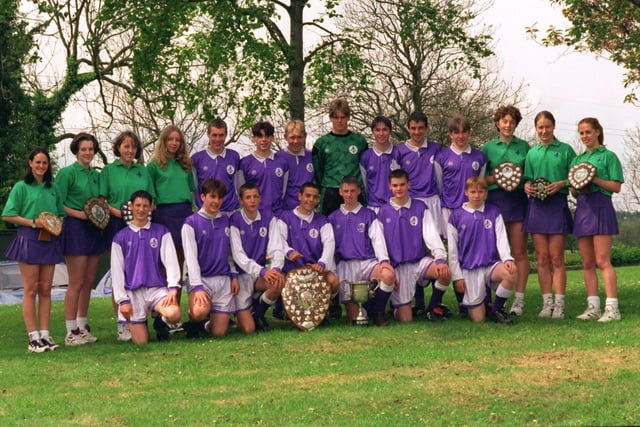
[[537, 372]]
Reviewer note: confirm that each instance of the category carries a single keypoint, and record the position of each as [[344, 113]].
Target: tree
[[426, 56], [16, 43], [236, 52], [51, 56], [610, 28]]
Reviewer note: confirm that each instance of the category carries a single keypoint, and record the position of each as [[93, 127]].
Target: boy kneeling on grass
[[479, 254], [139, 253], [213, 279]]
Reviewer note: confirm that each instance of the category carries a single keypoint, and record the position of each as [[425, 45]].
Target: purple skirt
[[26, 247], [115, 225], [595, 215], [81, 237], [172, 216], [550, 216], [512, 205]]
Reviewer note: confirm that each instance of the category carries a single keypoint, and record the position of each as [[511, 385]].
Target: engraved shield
[[508, 176], [306, 297], [50, 223], [539, 185], [97, 211], [581, 174]]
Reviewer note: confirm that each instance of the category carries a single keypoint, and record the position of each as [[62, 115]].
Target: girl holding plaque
[[508, 149], [172, 178], [82, 241], [549, 220], [596, 222], [36, 252]]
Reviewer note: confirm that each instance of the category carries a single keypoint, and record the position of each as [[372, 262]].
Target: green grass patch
[[537, 372]]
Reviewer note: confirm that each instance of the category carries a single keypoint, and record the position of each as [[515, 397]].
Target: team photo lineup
[[382, 229]]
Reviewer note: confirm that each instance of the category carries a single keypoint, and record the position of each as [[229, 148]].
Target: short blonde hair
[[294, 125]]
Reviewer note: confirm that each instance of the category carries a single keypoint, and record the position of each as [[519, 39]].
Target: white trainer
[[610, 314], [558, 311], [591, 313], [517, 308], [72, 340], [547, 309], [86, 335], [124, 334]]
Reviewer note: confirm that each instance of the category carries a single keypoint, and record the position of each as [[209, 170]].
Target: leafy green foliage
[[610, 28]]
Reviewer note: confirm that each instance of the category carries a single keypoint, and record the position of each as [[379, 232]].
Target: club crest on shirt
[[263, 231], [475, 165], [279, 172], [153, 242], [253, 172], [413, 220], [488, 224], [205, 168], [353, 149], [360, 227], [313, 233], [309, 167], [231, 170]]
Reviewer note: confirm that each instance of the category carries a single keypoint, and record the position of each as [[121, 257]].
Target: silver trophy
[[360, 294]]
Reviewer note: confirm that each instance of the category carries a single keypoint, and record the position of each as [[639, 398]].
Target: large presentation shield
[[581, 175], [97, 211], [508, 176], [306, 297]]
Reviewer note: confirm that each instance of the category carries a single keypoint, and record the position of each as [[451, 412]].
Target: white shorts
[[476, 282], [435, 209], [244, 299], [353, 270], [408, 274], [143, 300], [219, 290]]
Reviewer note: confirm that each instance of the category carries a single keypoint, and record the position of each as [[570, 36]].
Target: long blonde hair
[[160, 152]]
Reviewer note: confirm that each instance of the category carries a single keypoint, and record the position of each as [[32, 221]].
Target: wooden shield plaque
[[539, 185], [581, 175], [306, 297], [508, 176], [97, 211], [51, 224]]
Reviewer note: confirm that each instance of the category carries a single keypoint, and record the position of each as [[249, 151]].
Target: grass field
[[536, 372]]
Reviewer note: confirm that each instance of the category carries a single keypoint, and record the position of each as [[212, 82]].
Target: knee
[[543, 260], [44, 290], [198, 314], [172, 314]]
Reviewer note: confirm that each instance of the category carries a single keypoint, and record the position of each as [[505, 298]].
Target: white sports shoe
[[86, 335], [547, 309], [610, 314], [558, 311], [124, 334], [50, 343], [517, 308], [72, 340], [591, 313]]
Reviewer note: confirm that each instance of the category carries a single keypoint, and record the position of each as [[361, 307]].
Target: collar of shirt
[[455, 150], [206, 215], [380, 153], [354, 211], [250, 221], [302, 216], [300, 153], [262, 159], [425, 144], [214, 155], [136, 228], [467, 208], [397, 207]]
